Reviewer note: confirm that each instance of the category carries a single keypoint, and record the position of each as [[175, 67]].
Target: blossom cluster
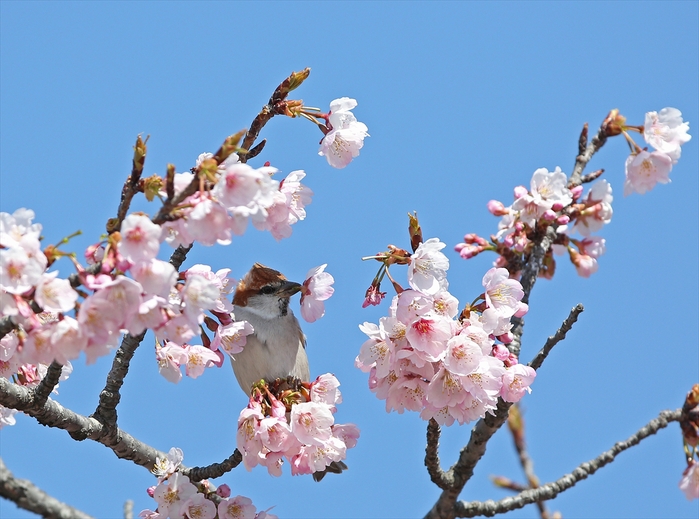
[[178, 497], [422, 357], [133, 290], [296, 424], [666, 132], [548, 201], [552, 200], [241, 194]]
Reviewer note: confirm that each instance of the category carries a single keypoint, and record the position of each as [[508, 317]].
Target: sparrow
[[277, 347]]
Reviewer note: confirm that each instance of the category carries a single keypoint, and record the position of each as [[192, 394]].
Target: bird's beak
[[289, 288]]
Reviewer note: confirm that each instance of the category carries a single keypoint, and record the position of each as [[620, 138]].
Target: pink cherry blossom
[[166, 466], [237, 507], [20, 271], [198, 507], [428, 267], [140, 238], [584, 265], [516, 381], [666, 131], [348, 433], [55, 295], [462, 356], [325, 390], [316, 289], [231, 338], [644, 170], [170, 357], [157, 277], [249, 441], [209, 223], [428, 335], [689, 484], [501, 292], [198, 359], [346, 136], [598, 211], [199, 294], [171, 494], [311, 422]]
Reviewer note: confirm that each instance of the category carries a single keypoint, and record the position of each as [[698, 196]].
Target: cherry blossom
[[346, 136], [502, 293], [140, 238], [310, 423], [198, 507], [644, 170], [316, 289], [666, 131], [171, 494], [516, 381], [198, 359], [55, 295], [237, 507], [231, 338], [689, 484], [428, 266]]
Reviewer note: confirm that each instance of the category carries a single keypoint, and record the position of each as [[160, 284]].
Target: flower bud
[[520, 191], [223, 491], [497, 208], [577, 191]]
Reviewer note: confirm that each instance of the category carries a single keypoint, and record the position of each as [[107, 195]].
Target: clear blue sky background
[[463, 101]]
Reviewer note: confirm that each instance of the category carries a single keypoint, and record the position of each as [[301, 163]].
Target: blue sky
[[463, 101]]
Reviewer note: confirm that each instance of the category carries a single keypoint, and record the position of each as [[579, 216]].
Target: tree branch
[[560, 334], [53, 414], [437, 475], [551, 490], [215, 470], [28, 496], [109, 397], [48, 383]]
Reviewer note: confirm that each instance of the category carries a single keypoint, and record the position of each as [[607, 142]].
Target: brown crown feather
[[253, 281]]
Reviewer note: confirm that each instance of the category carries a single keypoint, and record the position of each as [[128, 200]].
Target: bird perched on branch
[[277, 348]]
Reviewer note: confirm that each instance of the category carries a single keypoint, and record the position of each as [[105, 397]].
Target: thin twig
[[551, 490], [557, 337], [28, 496], [515, 423]]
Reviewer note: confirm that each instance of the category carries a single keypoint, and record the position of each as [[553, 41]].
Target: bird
[[277, 348]]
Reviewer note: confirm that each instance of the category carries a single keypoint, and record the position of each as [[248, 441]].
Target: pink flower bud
[[151, 491], [497, 208], [501, 352], [576, 192], [505, 338], [549, 215], [223, 491], [522, 309], [520, 191], [564, 219], [557, 206], [519, 226], [508, 241]]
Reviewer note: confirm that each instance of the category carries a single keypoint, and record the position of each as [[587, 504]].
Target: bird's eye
[[267, 289]]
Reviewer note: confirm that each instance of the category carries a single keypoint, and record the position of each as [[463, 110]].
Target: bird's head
[[265, 292]]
